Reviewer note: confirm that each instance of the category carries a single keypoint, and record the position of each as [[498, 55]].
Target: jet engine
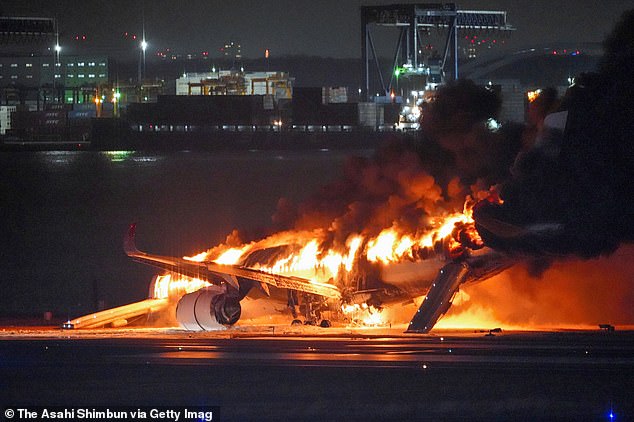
[[208, 309]]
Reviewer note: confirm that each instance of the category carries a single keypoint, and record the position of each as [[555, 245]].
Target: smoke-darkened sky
[[329, 28]]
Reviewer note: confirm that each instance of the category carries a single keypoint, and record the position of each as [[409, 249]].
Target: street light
[[56, 68], [143, 46]]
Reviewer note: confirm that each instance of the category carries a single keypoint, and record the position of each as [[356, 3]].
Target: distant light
[[532, 95], [143, 45], [58, 48], [493, 124]]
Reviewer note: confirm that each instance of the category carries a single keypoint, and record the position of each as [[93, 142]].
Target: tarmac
[[279, 372]]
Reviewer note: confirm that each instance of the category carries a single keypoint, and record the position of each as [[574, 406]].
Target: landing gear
[[292, 303], [310, 308]]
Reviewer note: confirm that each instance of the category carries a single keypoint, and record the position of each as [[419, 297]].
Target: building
[[70, 79], [81, 75]]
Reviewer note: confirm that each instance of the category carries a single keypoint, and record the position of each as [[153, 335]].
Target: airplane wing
[[227, 272]]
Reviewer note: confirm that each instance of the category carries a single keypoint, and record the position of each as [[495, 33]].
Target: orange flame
[[311, 259], [364, 315], [165, 286]]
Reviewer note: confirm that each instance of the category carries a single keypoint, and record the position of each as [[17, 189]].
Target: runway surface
[[315, 374]]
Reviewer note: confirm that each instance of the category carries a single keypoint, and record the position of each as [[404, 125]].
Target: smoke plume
[[571, 193], [408, 181]]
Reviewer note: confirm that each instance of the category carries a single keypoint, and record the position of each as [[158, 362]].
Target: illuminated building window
[[58, 76], [102, 75], [44, 64], [102, 64], [80, 64], [80, 76], [14, 76], [71, 65], [28, 65], [91, 64], [14, 65], [29, 76], [91, 75], [70, 76]]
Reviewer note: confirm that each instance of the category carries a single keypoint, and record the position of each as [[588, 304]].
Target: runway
[[332, 375]]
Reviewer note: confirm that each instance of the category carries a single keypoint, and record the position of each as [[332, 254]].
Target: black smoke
[[572, 192], [411, 179], [456, 142]]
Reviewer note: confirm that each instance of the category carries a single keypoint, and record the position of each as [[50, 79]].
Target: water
[[64, 215]]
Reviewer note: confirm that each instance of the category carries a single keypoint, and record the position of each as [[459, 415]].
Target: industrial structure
[[26, 30], [279, 85], [414, 21]]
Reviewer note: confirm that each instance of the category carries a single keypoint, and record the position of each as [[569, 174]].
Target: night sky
[[328, 28]]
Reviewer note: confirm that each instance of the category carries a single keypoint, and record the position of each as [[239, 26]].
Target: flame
[[165, 286], [364, 315], [231, 256], [197, 258], [316, 258]]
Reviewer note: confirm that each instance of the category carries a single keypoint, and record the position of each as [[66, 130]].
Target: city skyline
[[327, 28]]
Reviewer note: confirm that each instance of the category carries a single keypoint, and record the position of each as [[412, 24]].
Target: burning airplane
[[315, 278]]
